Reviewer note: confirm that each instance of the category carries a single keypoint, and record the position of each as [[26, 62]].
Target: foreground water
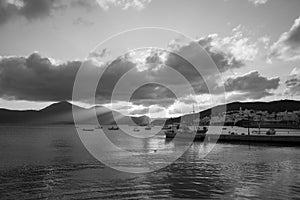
[[52, 163]]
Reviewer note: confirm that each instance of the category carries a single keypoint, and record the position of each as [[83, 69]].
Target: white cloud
[[287, 47], [123, 4], [258, 2], [238, 44]]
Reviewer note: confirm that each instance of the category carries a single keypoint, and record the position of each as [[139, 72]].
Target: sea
[[53, 163]]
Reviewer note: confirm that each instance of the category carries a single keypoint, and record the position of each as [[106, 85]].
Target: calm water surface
[[52, 163]]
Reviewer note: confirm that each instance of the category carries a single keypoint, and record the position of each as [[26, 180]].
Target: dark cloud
[[288, 45], [7, 11], [251, 85], [30, 9], [110, 78], [36, 79], [150, 93], [38, 9], [33, 9]]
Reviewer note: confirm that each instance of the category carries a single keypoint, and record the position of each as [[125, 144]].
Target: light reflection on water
[[52, 163]]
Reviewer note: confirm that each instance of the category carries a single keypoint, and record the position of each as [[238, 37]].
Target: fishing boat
[[113, 128], [148, 128]]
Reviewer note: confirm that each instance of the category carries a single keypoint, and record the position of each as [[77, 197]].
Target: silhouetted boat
[[271, 131], [113, 128]]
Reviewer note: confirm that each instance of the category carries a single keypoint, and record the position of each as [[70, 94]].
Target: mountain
[[274, 106], [61, 113]]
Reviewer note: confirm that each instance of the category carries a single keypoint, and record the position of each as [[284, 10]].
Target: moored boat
[[271, 131], [98, 127], [113, 128], [186, 132]]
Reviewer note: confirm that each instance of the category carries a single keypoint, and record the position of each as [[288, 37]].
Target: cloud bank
[[251, 86], [35, 78]]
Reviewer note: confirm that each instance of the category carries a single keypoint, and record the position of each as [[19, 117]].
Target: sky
[[254, 46]]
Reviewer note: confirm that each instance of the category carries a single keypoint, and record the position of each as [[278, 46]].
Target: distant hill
[[274, 106], [61, 113]]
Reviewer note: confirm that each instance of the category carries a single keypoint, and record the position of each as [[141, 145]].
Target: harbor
[[240, 135]]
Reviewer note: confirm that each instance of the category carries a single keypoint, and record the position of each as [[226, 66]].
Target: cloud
[[152, 93], [238, 46], [288, 45], [293, 83], [35, 78], [38, 78], [123, 4], [29, 9], [250, 86], [39, 9], [142, 111], [229, 52], [258, 2], [223, 58]]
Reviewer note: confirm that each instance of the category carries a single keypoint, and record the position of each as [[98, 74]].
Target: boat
[[113, 128], [98, 127], [271, 131], [186, 132], [136, 130], [148, 127]]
